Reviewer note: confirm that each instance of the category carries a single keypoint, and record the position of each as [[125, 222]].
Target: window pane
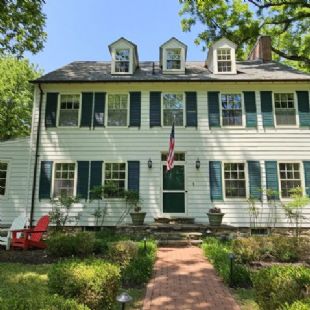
[[64, 179], [173, 109], [289, 178], [115, 174], [122, 60], [173, 58], [234, 177], [69, 110], [231, 109], [285, 111], [117, 110]]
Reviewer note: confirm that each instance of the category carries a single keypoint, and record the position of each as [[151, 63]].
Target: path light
[[197, 163], [231, 257], [123, 299], [144, 242], [150, 163]]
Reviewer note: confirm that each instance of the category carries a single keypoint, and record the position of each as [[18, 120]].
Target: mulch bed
[[26, 257]]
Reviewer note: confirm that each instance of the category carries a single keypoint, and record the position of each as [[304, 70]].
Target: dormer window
[[122, 60], [173, 58], [224, 60]]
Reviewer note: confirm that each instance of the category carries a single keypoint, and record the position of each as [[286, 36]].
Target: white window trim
[[302, 177], [166, 58], [130, 61], [274, 109], [247, 194], [126, 179], [80, 109], [231, 60], [162, 109], [53, 176], [182, 61], [107, 109], [242, 106], [7, 180]]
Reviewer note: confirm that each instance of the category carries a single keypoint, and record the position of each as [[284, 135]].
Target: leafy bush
[[40, 302], [122, 252], [61, 245], [285, 249], [278, 285], [92, 282], [217, 252], [298, 305], [140, 269], [247, 249]]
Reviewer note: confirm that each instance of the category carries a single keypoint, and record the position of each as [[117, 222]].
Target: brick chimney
[[261, 49]]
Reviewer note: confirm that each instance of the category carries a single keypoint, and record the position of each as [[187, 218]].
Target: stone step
[[177, 235], [178, 243], [157, 227]]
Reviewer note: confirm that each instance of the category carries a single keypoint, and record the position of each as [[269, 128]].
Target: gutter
[[34, 182]]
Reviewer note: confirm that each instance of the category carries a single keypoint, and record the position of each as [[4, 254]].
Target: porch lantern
[[123, 299], [150, 163], [197, 163]]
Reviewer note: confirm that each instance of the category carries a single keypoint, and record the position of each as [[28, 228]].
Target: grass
[[245, 298], [27, 281]]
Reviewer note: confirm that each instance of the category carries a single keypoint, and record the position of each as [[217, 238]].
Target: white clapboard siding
[[123, 144]]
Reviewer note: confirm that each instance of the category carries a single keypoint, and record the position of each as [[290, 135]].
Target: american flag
[[170, 157]]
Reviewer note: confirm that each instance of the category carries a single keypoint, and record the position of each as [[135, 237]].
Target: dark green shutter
[[155, 108], [82, 179], [45, 179], [303, 108], [191, 109], [95, 174], [214, 109], [255, 179], [266, 106], [135, 109], [87, 109], [307, 176], [250, 108], [272, 182], [51, 109], [134, 176], [99, 109], [215, 174]]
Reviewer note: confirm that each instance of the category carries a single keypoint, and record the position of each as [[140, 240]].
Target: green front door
[[174, 190]]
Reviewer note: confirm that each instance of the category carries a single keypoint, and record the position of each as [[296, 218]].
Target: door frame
[[176, 163]]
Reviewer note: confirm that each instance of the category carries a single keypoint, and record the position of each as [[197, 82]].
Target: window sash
[[115, 173], [290, 177], [224, 61], [231, 110], [173, 109], [173, 58], [285, 110], [235, 181], [122, 60], [69, 109], [3, 177], [117, 110], [64, 179]]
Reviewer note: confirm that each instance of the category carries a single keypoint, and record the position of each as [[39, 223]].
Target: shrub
[[61, 245], [92, 282], [217, 252], [284, 249], [246, 249], [122, 252], [40, 302], [140, 269], [277, 285], [298, 305]]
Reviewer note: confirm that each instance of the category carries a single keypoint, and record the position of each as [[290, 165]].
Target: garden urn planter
[[215, 219], [137, 218]]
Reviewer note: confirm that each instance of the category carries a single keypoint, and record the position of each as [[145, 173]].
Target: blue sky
[[83, 29]]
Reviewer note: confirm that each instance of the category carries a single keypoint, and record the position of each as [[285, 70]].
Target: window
[[69, 110], [115, 175], [231, 110], [122, 60], [234, 176], [289, 177], [285, 111], [224, 60], [173, 58], [173, 109], [3, 177], [118, 110], [64, 179]]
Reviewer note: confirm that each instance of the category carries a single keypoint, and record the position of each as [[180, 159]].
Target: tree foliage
[[21, 26], [16, 97], [242, 21]]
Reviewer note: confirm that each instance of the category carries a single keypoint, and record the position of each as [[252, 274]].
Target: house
[[239, 126]]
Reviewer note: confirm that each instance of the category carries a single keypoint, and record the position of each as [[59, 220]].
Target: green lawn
[[29, 282]]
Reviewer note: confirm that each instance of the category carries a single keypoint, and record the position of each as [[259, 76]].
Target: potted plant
[[134, 201], [215, 216]]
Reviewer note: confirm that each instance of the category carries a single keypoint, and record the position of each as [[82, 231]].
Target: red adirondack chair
[[31, 237]]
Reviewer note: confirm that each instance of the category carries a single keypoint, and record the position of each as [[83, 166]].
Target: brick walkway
[[184, 280]]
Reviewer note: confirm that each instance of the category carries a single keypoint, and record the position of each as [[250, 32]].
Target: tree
[[242, 21], [21, 26], [16, 97]]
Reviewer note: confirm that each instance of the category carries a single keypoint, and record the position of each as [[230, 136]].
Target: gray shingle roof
[[97, 71]]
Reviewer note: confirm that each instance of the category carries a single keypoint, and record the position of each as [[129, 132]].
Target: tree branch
[[270, 4], [291, 57], [288, 20]]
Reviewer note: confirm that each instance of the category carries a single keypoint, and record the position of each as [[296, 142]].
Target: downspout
[[34, 182]]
